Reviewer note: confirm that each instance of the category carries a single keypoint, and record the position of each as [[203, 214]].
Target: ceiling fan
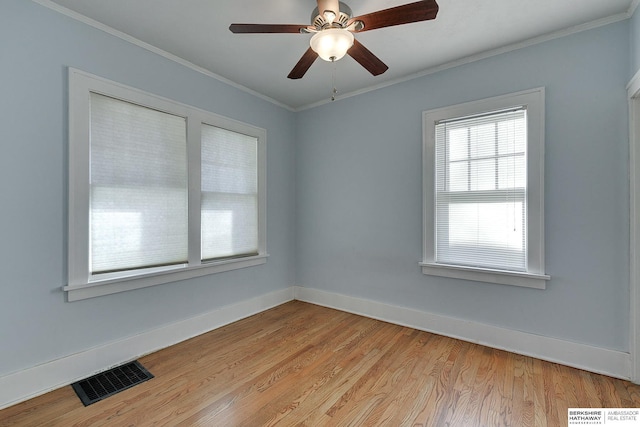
[[333, 25]]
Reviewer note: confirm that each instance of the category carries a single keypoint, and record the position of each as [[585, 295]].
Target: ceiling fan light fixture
[[332, 44]]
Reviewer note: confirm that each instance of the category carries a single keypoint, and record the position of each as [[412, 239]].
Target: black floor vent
[[108, 383]]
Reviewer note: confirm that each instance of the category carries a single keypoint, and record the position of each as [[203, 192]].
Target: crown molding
[[126, 37], [461, 61], [484, 55]]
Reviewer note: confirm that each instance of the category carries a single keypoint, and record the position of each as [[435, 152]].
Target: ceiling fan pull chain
[[334, 92]]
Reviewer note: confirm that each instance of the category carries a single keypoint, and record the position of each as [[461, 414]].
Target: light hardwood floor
[[301, 364]]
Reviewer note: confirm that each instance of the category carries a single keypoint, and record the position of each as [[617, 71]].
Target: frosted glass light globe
[[331, 44]]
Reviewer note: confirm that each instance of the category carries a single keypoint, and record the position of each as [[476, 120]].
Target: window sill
[[98, 288], [527, 280]]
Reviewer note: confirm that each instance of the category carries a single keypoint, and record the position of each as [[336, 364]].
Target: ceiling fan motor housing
[[319, 21]]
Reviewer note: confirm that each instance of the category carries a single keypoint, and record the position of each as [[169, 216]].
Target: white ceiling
[[197, 31]]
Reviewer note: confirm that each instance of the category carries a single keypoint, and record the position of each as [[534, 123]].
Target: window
[[483, 190], [158, 191]]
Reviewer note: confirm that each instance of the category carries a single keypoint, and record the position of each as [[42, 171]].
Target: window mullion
[[468, 159], [194, 125], [496, 171], [443, 217]]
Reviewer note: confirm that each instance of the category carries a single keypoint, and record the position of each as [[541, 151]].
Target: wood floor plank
[[417, 360], [464, 397], [518, 404], [304, 365], [423, 379], [543, 408]]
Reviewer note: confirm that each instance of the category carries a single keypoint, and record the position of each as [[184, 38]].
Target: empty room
[[312, 212]]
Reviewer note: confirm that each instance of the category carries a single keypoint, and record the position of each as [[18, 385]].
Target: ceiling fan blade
[[303, 64], [368, 60], [405, 14], [332, 5], [266, 28]]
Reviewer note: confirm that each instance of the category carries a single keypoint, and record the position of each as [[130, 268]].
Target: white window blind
[[480, 191], [229, 218], [138, 186]]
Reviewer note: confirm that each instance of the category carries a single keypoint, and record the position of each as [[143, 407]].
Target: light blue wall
[[344, 208], [36, 324], [359, 195]]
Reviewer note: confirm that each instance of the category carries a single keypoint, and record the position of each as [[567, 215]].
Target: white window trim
[[81, 285], [535, 276]]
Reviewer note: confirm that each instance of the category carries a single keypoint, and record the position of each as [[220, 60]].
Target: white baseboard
[[589, 358], [32, 382]]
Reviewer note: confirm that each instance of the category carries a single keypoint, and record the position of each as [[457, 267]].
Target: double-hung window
[[483, 190], [158, 191]]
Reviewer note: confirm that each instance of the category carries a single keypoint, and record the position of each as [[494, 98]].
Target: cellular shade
[[229, 215], [138, 187], [480, 196]]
